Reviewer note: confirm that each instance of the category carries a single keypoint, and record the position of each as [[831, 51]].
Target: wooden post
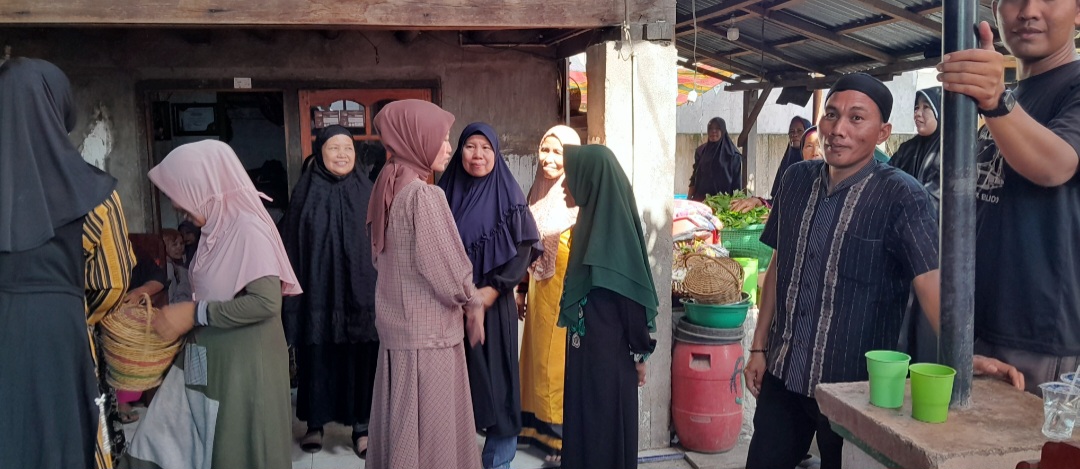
[[753, 103], [819, 106]]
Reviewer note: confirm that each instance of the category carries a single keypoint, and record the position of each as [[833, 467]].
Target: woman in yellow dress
[[543, 346]]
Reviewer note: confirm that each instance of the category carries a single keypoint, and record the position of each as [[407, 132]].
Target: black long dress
[[718, 169], [49, 417], [332, 324], [600, 413], [494, 376]]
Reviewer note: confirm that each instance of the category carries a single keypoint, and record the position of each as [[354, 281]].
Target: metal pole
[[958, 178], [566, 91]]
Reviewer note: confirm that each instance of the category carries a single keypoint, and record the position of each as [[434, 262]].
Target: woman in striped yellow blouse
[[109, 261]]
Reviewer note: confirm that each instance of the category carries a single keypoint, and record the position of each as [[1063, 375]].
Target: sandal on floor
[[312, 441], [128, 417], [360, 452], [554, 457]]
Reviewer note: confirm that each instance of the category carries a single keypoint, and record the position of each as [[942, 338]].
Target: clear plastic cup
[[1061, 401], [1069, 377]]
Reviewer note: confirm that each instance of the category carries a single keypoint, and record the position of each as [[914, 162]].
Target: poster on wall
[[327, 118], [195, 119]]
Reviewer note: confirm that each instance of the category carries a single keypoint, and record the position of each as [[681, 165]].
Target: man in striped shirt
[[852, 235]]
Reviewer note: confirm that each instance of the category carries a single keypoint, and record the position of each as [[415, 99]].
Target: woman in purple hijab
[[501, 240]]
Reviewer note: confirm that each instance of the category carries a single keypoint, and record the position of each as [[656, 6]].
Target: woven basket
[[713, 280], [135, 355]]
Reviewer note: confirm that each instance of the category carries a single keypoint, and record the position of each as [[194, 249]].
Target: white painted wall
[[97, 145], [692, 118], [767, 140]]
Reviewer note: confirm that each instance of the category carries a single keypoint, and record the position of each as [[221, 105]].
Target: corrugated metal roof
[[896, 37], [797, 33], [830, 13], [684, 7]]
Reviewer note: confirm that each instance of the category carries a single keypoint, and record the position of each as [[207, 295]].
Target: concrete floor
[[337, 451]]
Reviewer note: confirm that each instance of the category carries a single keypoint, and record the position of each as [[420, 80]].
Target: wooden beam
[[802, 26], [751, 118], [826, 81], [819, 106], [706, 14], [687, 27], [709, 73], [856, 26], [902, 13], [565, 35], [324, 14], [577, 44], [754, 45], [723, 63]]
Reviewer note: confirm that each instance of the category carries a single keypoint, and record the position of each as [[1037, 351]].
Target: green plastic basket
[[746, 242]]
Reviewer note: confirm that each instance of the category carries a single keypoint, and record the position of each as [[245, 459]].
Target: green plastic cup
[[931, 391], [888, 374]]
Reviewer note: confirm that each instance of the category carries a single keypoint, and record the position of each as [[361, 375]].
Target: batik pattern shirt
[[845, 259]]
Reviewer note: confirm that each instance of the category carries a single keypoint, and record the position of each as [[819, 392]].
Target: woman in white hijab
[[543, 346]]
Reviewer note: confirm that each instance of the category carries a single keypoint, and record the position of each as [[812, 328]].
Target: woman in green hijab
[[609, 307]]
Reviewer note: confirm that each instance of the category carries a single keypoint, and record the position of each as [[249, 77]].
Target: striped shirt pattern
[[109, 261], [109, 258], [845, 260]]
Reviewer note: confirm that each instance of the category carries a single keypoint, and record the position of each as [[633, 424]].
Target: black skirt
[[335, 382], [494, 377], [600, 409], [50, 418]]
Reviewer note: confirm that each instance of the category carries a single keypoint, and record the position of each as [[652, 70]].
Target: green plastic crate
[[747, 243]]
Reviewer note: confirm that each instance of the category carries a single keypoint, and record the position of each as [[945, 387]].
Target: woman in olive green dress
[[225, 403]]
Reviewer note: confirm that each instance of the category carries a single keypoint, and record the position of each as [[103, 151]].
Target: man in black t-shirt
[[1027, 289]]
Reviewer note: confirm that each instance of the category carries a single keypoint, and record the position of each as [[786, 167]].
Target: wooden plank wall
[[410, 14]]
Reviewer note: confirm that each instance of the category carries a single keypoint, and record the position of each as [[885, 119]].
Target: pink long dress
[[421, 414]]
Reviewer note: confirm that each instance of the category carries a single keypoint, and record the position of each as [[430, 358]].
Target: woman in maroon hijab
[[424, 300]]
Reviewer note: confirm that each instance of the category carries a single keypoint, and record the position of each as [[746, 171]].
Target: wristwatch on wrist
[[1005, 105]]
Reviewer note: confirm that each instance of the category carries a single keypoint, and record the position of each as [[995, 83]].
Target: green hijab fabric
[[607, 248]]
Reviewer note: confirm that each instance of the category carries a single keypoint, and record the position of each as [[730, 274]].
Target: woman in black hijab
[[792, 155], [332, 324], [919, 156], [718, 164], [46, 191]]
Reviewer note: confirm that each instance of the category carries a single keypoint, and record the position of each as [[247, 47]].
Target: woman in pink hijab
[[424, 301], [225, 403]]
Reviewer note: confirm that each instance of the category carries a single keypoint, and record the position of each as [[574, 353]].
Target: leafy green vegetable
[[721, 205]]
